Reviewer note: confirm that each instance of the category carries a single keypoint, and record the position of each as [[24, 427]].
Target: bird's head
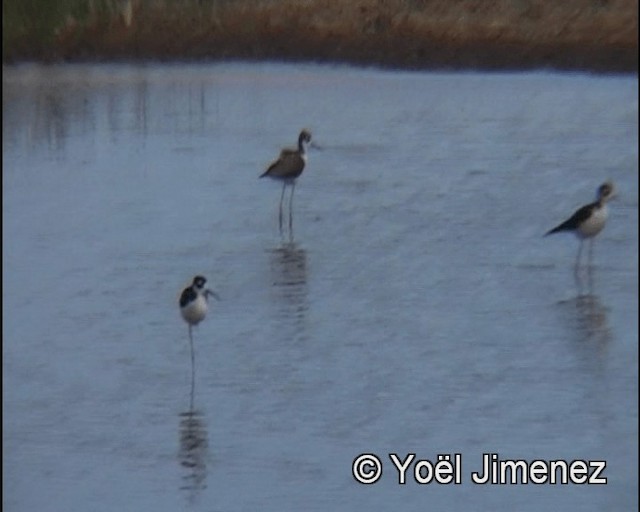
[[199, 282], [606, 191], [305, 136]]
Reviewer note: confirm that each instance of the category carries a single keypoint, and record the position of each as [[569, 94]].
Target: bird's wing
[[575, 220], [188, 294], [290, 163]]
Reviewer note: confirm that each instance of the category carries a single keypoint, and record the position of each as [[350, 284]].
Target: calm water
[[415, 308]]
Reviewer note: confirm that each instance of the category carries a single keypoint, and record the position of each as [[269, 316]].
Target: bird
[[194, 305], [287, 168], [588, 220]]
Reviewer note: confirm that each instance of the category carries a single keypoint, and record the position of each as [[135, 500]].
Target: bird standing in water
[[194, 306], [287, 168], [589, 220]]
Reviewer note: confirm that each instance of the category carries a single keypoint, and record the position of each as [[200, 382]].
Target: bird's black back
[[188, 295], [573, 222]]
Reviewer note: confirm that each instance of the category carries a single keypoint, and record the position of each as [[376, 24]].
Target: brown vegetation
[[598, 35]]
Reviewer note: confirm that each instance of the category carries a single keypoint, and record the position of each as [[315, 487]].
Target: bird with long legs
[[287, 168], [588, 221], [194, 304]]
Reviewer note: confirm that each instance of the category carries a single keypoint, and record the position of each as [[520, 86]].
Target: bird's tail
[[265, 173], [562, 227]]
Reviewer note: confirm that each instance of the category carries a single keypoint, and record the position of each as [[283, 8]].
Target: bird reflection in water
[[288, 264], [194, 449], [592, 315]]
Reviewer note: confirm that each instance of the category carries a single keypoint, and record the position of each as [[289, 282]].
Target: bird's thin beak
[[212, 293], [315, 146]]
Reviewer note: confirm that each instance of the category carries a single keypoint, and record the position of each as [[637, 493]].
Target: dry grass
[[599, 35]]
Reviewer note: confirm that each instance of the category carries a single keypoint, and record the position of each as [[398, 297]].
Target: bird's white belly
[[594, 224], [195, 311]]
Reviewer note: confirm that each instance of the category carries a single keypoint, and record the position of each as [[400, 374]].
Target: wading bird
[[194, 306], [287, 168], [589, 220]]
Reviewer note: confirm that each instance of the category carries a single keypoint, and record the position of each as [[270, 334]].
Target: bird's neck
[[600, 206]]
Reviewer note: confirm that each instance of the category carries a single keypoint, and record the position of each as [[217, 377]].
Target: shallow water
[[415, 307]]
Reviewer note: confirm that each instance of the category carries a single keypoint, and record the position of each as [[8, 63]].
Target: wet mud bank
[[590, 35]]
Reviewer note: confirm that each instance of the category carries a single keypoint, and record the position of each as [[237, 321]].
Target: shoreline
[[598, 36]]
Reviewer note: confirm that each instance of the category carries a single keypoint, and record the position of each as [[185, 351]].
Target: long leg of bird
[[590, 282], [193, 391], [193, 366], [284, 185], [577, 266], [591, 253], [579, 283], [293, 187]]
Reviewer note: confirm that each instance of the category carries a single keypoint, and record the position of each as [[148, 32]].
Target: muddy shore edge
[[575, 35]]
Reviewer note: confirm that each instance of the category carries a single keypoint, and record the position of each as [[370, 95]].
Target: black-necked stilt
[[194, 305], [589, 220], [288, 167]]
